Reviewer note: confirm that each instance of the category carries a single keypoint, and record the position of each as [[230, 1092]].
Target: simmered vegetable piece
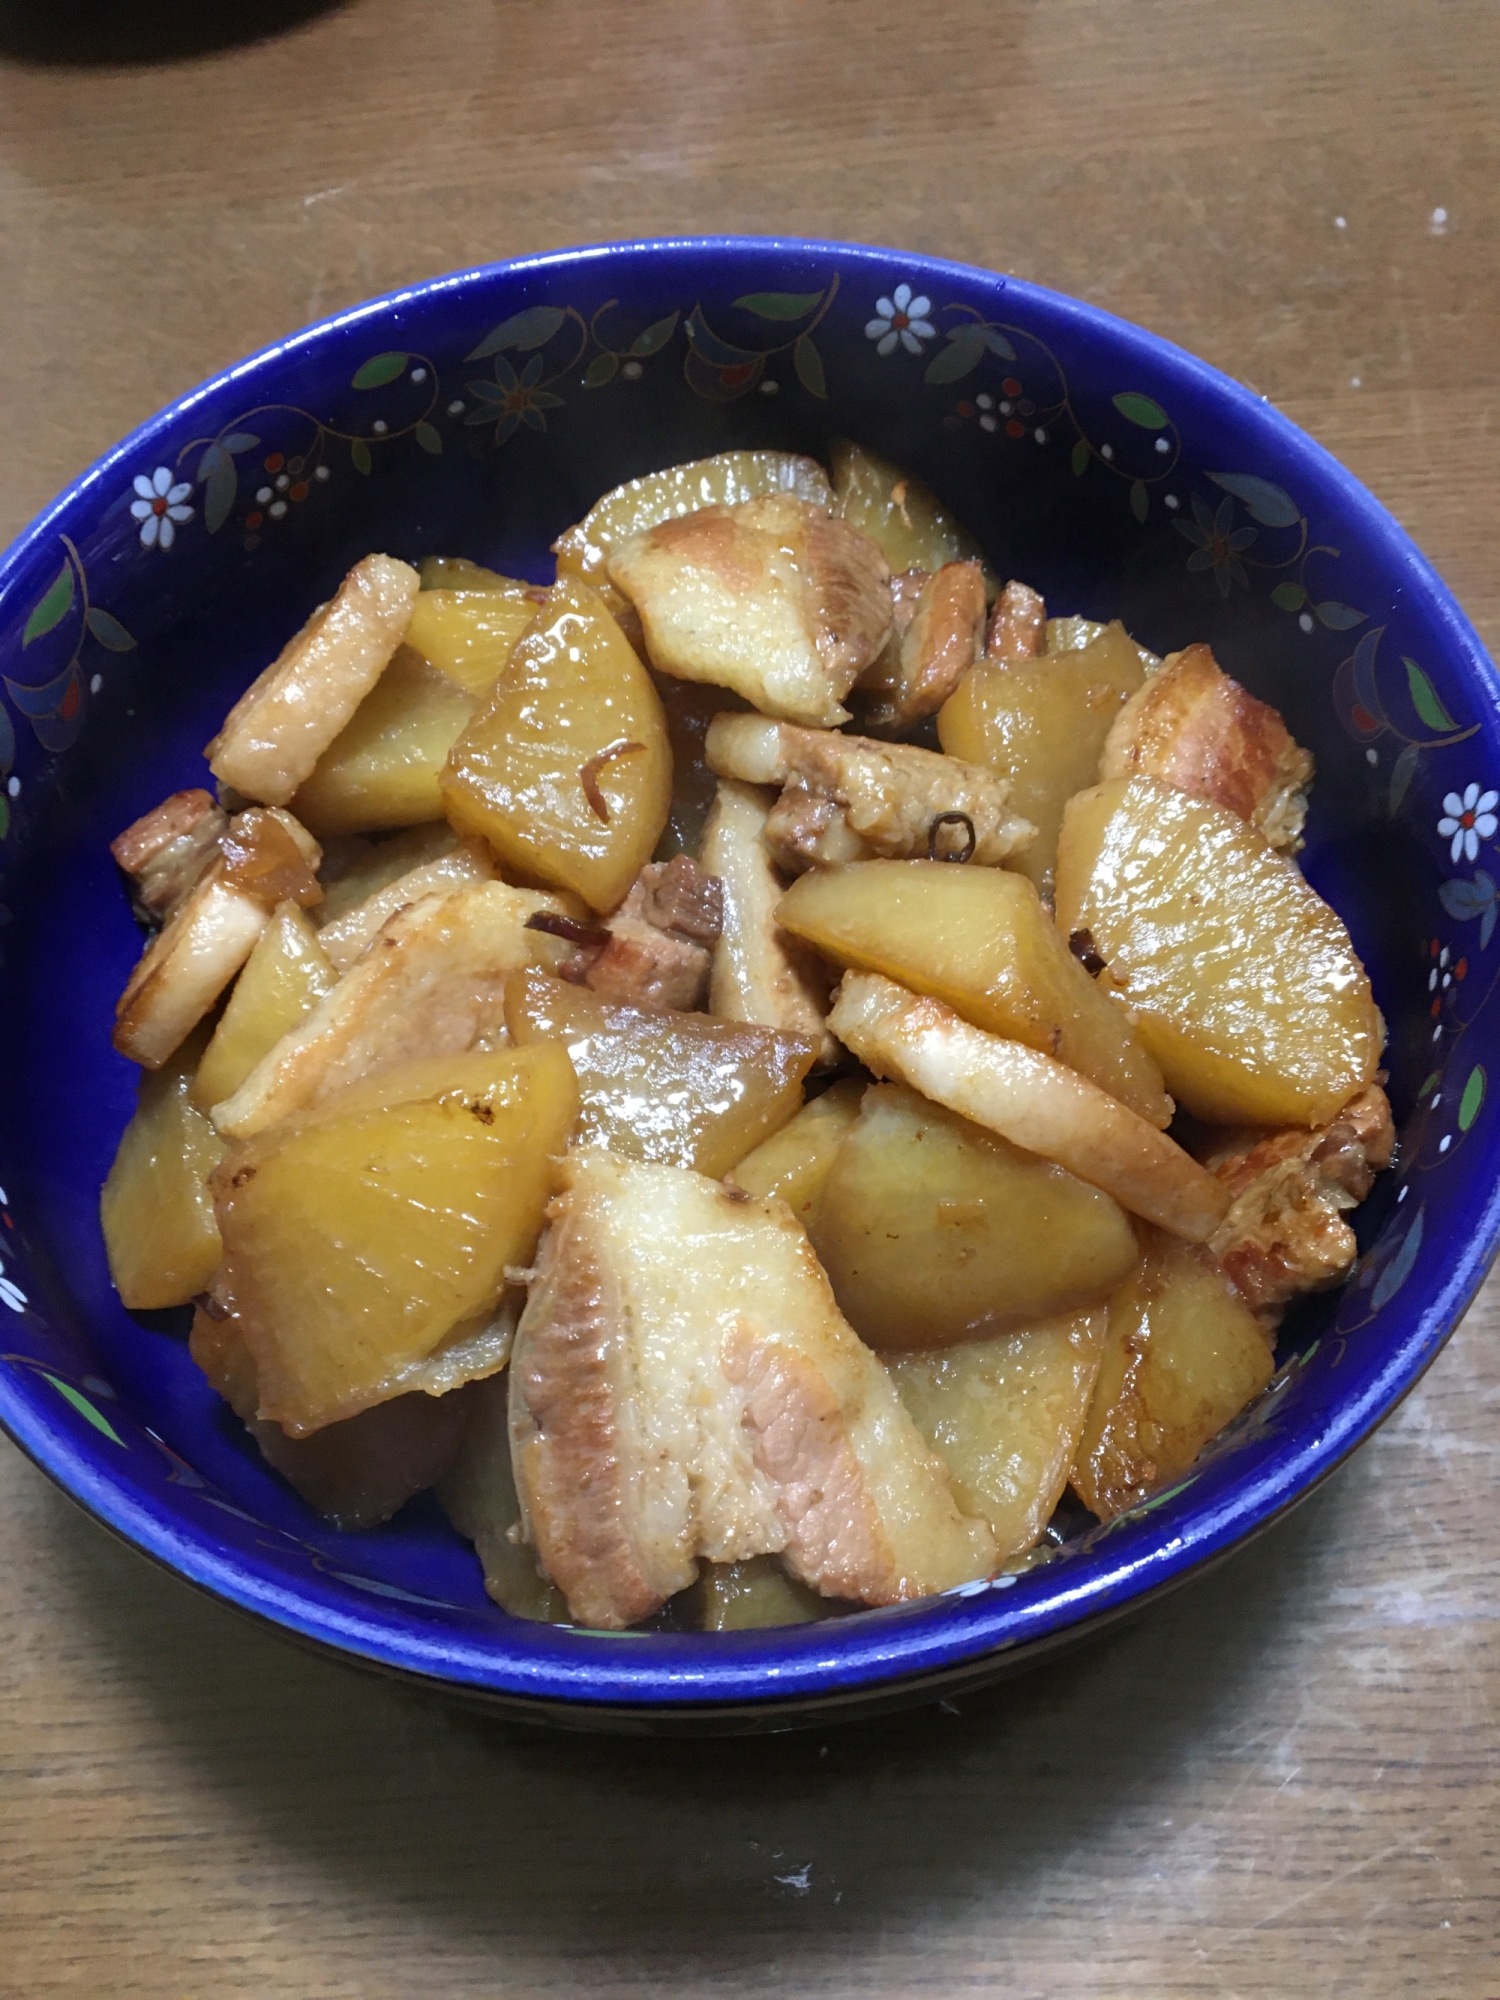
[[979, 939], [751, 1595], [795, 1162], [354, 869], [565, 770], [1242, 982], [356, 1238], [1183, 1355], [1042, 724], [469, 634], [900, 512], [285, 976], [346, 937], [639, 504], [479, 1498], [459, 573], [680, 1088], [933, 1231], [1031, 1099], [382, 769], [156, 1210], [1005, 1416]]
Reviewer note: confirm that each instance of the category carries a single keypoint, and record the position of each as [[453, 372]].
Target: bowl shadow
[[682, 1856], [104, 34]]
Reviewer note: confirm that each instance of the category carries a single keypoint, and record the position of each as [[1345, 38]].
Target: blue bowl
[[479, 415]]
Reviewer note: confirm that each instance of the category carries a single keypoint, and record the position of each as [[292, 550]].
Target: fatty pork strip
[[167, 849], [848, 798], [431, 982], [263, 857], [657, 950], [286, 719], [684, 1389], [775, 598], [1194, 728], [760, 973], [1285, 1233]]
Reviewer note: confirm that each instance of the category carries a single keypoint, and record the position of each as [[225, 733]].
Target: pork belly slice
[[345, 938], [1030, 1099], [1193, 727], [286, 719], [760, 972], [921, 665], [1285, 1232], [1018, 624], [684, 1389], [775, 598], [657, 948], [166, 850], [848, 798], [263, 856], [431, 982]]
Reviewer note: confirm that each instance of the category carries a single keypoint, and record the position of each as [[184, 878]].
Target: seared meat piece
[[760, 973], [167, 849], [775, 598], [286, 719], [668, 1409], [848, 798], [262, 857], [659, 949], [1018, 625], [941, 640], [346, 937], [1285, 1232], [431, 982], [1193, 727]]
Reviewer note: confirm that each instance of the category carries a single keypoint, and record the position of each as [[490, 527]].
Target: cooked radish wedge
[[1030, 1099]]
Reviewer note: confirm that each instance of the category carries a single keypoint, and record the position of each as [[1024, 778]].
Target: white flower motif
[[900, 318], [159, 506], [1468, 820]]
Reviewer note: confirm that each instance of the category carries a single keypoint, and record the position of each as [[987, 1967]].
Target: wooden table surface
[[1285, 1781]]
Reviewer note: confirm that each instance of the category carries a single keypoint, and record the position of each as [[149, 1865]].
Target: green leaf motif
[[1142, 410], [1402, 772], [109, 631], [1424, 699], [1470, 1104], [524, 330], [220, 482], [1289, 596], [655, 336], [779, 305], [428, 438], [1429, 1084], [966, 348], [809, 366], [1399, 1269], [1271, 505], [603, 368], [996, 342], [240, 441], [51, 610], [359, 451], [85, 1408], [1080, 458], [1140, 500], [1338, 617], [378, 370], [4, 815]]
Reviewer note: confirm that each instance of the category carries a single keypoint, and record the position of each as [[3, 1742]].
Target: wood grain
[[1284, 1782]]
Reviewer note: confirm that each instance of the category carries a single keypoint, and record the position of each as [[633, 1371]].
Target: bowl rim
[[560, 1669]]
